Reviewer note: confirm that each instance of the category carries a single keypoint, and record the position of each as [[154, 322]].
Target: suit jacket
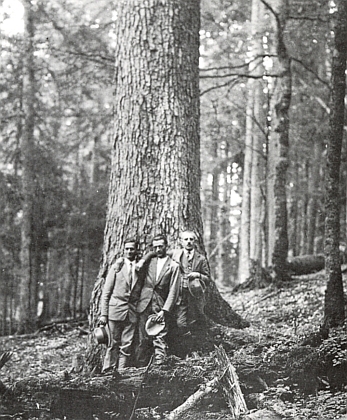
[[119, 300], [164, 290], [199, 264]]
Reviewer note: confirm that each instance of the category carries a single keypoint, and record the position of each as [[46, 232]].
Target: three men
[[160, 284], [119, 299]]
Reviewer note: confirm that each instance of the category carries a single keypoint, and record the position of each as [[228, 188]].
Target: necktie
[[131, 275], [189, 255]]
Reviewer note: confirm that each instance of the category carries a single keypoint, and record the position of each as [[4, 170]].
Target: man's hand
[[103, 320], [118, 264], [139, 264], [160, 317], [193, 275]]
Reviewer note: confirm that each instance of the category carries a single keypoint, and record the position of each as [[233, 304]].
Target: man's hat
[[196, 288], [102, 335], [153, 327]]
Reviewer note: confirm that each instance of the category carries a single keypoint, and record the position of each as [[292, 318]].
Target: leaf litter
[[44, 364]]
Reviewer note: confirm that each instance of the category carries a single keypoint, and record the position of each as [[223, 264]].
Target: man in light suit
[[119, 299], [158, 296], [189, 309]]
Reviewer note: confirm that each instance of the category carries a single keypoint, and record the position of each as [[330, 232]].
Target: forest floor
[[279, 376]]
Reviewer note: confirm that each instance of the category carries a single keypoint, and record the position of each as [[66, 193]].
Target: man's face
[[130, 250], [159, 248], [188, 240]]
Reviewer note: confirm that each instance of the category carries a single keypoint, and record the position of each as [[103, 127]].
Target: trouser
[[189, 311], [189, 318], [158, 342], [182, 339], [181, 312], [122, 333]]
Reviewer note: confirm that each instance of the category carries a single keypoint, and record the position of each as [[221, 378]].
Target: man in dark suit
[[119, 299], [195, 275], [158, 296]]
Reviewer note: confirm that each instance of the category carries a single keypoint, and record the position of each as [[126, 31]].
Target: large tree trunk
[[28, 283], [278, 146], [334, 314], [155, 172]]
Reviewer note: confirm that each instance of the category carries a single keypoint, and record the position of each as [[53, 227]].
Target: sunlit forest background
[[69, 156]]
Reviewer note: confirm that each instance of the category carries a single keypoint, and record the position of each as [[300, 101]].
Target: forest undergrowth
[[286, 370]]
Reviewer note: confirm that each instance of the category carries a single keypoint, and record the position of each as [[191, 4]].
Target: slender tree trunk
[[28, 283], [314, 181], [250, 228], [278, 146], [334, 313], [258, 132], [304, 210], [82, 280], [244, 245], [65, 307], [293, 212], [225, 228], [214, 215]]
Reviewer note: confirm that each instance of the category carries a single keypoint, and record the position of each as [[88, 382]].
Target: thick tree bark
[[155, 172], [334, 313], [155, 168]]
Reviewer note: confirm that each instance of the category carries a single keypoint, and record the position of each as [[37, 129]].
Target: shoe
[[116, 374], [108, 371], [122, 362]]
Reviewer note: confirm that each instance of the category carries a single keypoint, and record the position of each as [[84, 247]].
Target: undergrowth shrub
[[323, 367], [332, 357]]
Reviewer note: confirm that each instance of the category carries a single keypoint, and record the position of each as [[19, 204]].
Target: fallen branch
[[228, 381], [230, 384], [193, 399], [5, 357]]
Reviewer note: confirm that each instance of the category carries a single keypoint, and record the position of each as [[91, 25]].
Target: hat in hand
[[196, 288], [153, 327], [102, 335]]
